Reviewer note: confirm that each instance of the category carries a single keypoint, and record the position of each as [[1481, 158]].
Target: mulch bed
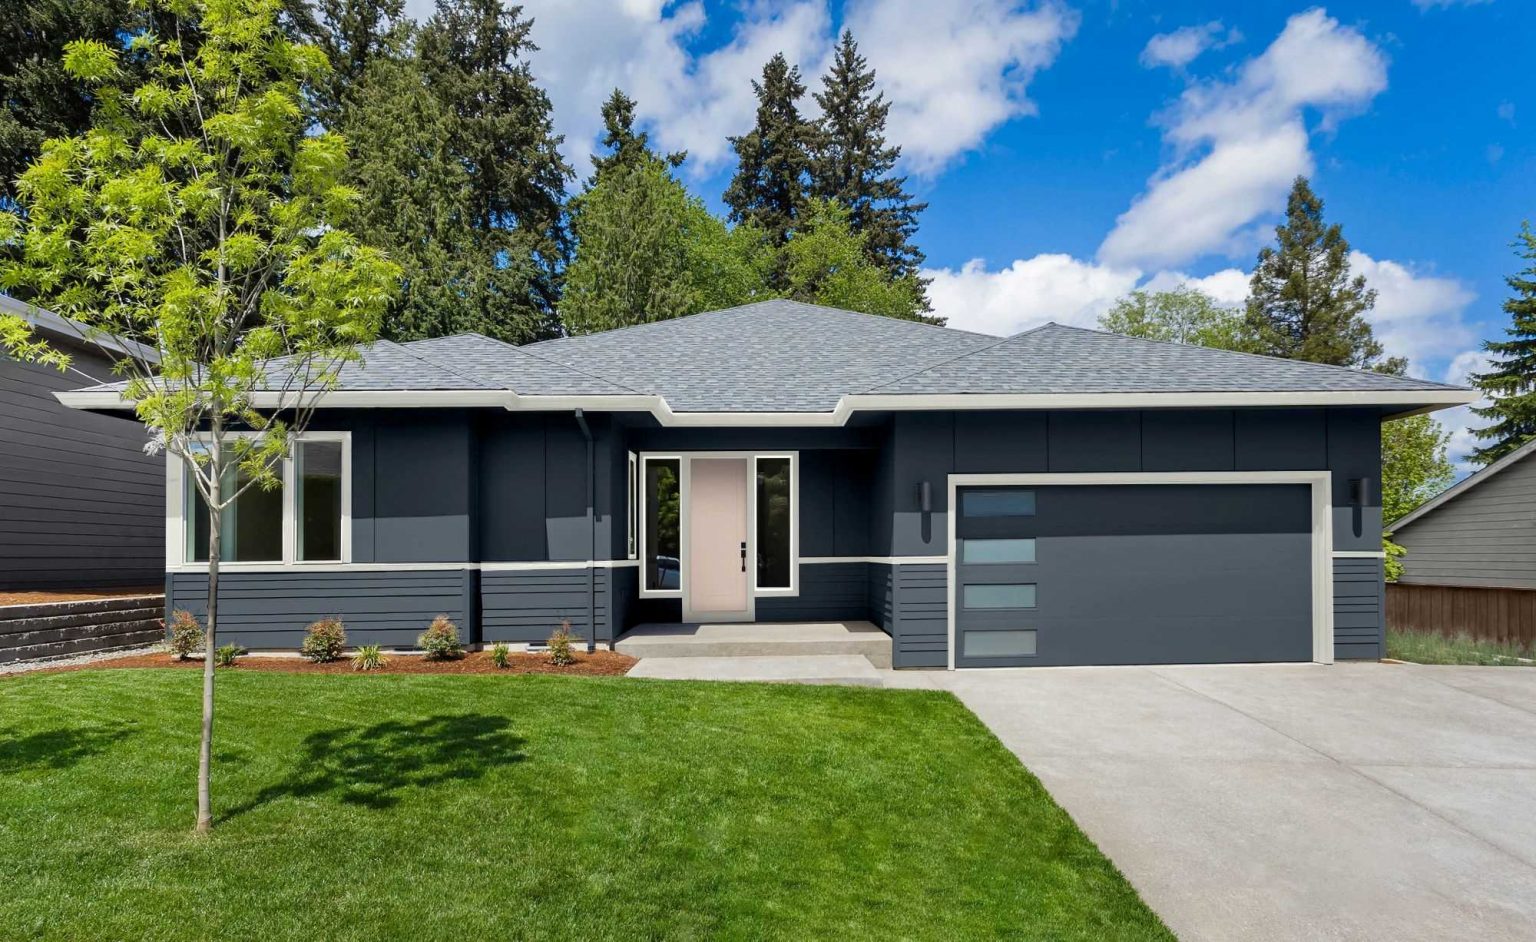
[[599, 664], [43, 597]]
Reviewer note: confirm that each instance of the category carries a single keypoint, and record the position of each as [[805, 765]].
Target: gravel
[[75, 660]]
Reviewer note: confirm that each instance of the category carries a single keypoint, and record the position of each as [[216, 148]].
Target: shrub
[[324, 641], [501, 655], [186, 635], [226, 654], [560, 651], [441, 640], [369, 658]]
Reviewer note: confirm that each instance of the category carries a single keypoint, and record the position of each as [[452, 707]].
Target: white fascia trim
[[1414, 401], [276, 567], [882, 560], [1359, 554], [1320, 483]]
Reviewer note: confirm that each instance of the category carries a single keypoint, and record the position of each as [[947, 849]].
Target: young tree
[[1510, 383], [1302, 303], [769, 188], [200, 218], [827, 263], [851, 164], [1414, 468], [1183, 315], [473, 55]]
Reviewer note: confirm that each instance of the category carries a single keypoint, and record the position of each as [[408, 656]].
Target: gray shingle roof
[[1057, 359], [784, 356]]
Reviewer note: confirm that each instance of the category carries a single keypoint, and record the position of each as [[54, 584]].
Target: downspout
[[586, 432]]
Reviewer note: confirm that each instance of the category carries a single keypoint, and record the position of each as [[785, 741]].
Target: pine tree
[[1510, 383], [852, 163], [473, 58], [1302, 302], [625, 145], [769, 190]]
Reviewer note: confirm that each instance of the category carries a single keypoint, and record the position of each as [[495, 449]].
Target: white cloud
[[1434, 4], [1506, 112], [1184, 45], [1027, 293], [1228, 287], [1460, 421], [1418, 316], [952, 72], [1237, 144]]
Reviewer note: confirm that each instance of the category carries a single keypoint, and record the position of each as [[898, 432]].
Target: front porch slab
[[758, 639]]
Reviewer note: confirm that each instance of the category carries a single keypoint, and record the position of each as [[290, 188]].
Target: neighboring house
[[1062, 496], [81, 504], [1480, 532]]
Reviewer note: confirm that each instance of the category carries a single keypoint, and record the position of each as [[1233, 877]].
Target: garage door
[[1133, 574]]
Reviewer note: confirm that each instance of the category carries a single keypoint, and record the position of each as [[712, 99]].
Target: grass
[[453, 807], [1423, 647]]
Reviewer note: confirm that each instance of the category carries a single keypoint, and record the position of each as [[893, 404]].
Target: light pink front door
[[717, 534]]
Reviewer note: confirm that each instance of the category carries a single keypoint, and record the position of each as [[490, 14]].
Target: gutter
[[586, 433]]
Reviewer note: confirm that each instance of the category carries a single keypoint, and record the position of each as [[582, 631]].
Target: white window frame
[[684, 460], [178, 502], [1320, 482], [632, 512]]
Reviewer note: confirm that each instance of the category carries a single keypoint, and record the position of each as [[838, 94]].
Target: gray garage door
[[1144, 574]]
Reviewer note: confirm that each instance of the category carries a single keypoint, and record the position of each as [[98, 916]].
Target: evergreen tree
[[1510, 383], [769, 189], [473, 58], [1302, 303], [353, 34], [852, 164], [827, 262], [39, 99], [625, 145]]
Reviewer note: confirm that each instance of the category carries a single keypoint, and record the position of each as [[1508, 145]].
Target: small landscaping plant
[[324, 641], [560, 651], [369, 657], [441, 640], [187, 635], [501, 655], [226, 654]]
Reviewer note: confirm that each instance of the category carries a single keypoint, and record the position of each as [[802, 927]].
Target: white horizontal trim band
[[407, 567], [884, 560], [1359, 554], [657, 406]]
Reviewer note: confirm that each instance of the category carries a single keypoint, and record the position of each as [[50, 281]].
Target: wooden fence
[[1507, 615]]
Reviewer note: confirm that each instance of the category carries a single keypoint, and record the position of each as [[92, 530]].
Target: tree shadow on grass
[[60, 748], [370, 765]]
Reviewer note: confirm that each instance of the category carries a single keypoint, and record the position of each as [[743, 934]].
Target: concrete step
[[800, 639], [853, 670]]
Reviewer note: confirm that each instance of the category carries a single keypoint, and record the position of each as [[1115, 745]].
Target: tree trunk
[[215, 549]]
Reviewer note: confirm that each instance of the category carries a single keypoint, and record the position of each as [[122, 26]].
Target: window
[[774, 523], [1012, 643], [663, 543], [997, 551], [999, 595], [1005, 503], [309, 503]]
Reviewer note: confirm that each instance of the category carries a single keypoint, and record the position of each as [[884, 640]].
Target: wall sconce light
[[925, 497], [1359, 491]]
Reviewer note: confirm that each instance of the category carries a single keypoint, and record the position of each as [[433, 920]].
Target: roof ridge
[[948, 360], [1353, 371], [439, 365], [524, 351]]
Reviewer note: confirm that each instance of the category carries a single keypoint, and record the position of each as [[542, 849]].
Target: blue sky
[[1072, 151]]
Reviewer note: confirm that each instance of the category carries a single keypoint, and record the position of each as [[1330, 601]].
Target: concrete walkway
[[1260, 802]]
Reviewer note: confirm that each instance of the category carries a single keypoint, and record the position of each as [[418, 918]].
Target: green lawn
[[1423, 647], [485, 807]]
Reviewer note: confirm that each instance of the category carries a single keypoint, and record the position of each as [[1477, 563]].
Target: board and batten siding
[[80, 503], [1483, 537]]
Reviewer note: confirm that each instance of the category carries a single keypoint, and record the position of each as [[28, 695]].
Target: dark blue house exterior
[[1062, 496]]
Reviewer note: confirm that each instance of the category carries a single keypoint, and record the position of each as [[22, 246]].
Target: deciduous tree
[[1414, 468], [1181, 315]]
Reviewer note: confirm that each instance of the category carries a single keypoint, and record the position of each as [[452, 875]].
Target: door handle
[[743, 556]]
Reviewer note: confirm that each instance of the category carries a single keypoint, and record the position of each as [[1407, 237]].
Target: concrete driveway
[[1358, 801]]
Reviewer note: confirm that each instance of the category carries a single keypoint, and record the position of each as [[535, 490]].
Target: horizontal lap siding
[[1483, 537], [272, 610], [528, 605], [828, 592], [920, 629], [1359, 609]]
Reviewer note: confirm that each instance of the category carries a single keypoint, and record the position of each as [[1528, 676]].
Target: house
[[1062, 496], [1479, 532], [81, 504]]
